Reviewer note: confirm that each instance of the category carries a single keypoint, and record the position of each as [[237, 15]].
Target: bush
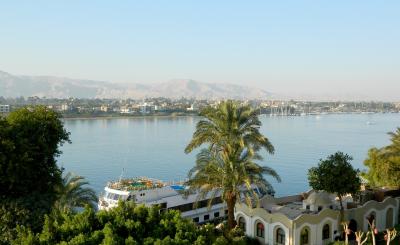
[[126, 224]]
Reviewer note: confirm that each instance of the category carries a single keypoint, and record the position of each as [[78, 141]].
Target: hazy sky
[[293, 47]]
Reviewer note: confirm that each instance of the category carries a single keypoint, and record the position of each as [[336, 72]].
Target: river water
[[103, 149]]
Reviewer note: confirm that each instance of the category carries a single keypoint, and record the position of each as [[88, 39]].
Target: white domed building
[[318, 200], [312, 218]]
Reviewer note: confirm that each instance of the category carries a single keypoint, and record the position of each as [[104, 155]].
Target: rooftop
[[292, 206]]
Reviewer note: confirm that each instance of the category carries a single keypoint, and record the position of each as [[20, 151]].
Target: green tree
[[35, 134], [29, 145], [384, 163], [73, 193], [335, 175], [128, 223], [393, 150], [231, 133]]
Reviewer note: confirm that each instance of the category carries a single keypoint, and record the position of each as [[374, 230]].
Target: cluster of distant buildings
[[149, 106], [130, 108]]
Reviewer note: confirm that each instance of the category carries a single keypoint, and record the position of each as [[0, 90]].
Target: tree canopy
[[29, 145], [126, 224], [335, 174], [384, 163]]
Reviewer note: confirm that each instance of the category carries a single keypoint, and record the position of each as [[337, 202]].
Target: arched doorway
[[242, 223], [389, 218], [371, 217], [260, 229], [280, 236], [326, 232], [305, 236], [353, 228]]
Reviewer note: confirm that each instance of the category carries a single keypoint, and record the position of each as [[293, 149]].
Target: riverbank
[[127, 116], [178, 115]]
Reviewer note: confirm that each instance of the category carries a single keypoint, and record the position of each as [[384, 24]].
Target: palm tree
[[229, 123], [393, 150], [73, 193], [232, 134]]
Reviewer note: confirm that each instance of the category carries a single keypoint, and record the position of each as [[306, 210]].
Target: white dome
[[321, 198]]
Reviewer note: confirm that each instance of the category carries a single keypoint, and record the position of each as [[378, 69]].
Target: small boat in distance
[[148, 191]]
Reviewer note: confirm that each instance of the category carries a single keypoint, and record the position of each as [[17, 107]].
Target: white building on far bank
[[4, 108]]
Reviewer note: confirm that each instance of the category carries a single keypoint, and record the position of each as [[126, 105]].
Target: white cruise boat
[[143, 190]]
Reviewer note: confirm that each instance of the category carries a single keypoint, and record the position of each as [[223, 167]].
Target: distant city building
[[192, 107], [64, 107], [146, 108], [4, 108], [104, 108], [126, 110]]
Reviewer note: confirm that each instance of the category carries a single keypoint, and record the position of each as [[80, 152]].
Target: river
[[103, 149]]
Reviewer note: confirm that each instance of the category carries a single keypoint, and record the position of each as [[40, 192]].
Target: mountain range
[[60, 87]]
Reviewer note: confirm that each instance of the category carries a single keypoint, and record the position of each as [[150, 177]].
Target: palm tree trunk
[[341, 209], [231, 201], [341, 217]]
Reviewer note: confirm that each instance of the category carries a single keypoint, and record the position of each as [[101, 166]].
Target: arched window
[[398, 215], [260, 230], [242, 223], [304, 236], [280, 236], [353, 228], [326, 232], [389, 218], [371, 218]]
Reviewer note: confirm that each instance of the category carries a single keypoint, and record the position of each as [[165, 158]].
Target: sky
[[300, 48]]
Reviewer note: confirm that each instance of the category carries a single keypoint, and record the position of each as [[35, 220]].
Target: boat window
[[196, 220], [319, 208], [206, 217], [216, 214]]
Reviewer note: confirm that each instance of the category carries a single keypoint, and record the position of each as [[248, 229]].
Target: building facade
[[4, 108], [312, 219]]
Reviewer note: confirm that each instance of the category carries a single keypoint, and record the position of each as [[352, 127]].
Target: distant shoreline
[[127, 117], [196, 115]]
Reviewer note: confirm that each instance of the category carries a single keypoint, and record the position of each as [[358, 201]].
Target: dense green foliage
[[29, 144], [32, 141], [127, 224], [384, 163], [335, 175], [232, 138]]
